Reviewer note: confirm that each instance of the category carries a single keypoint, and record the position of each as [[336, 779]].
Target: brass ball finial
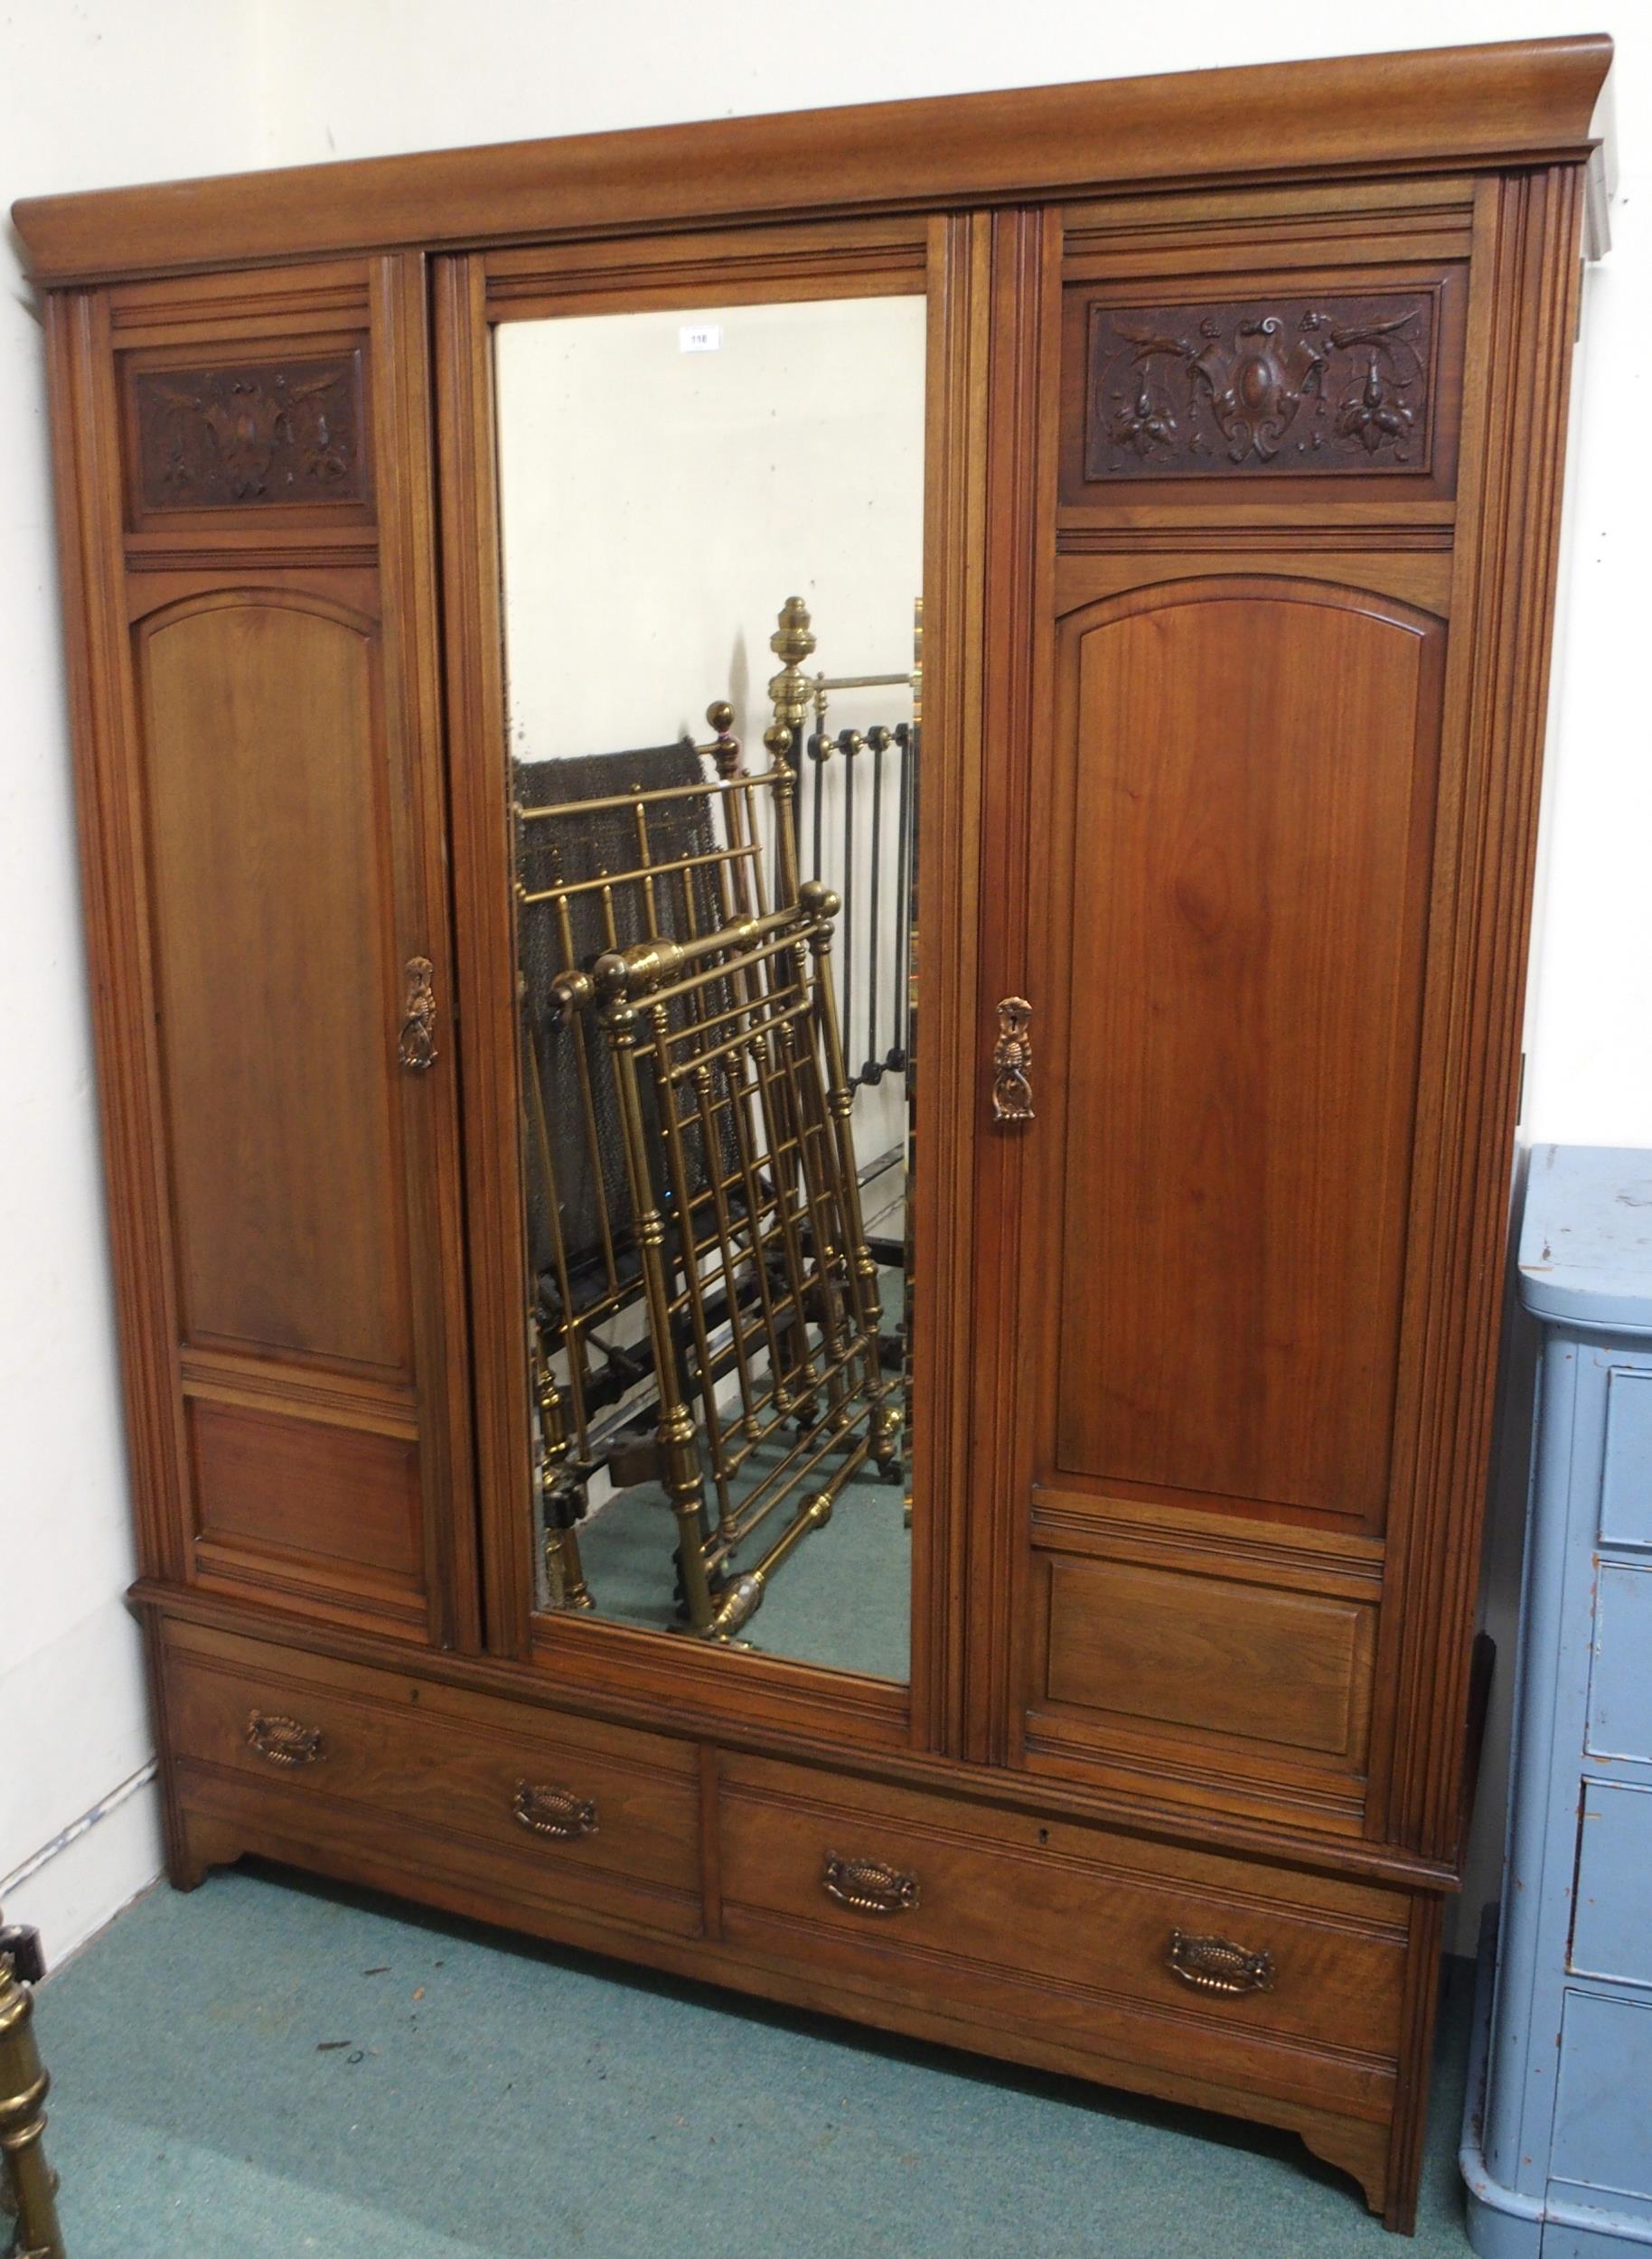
[[719, 714]]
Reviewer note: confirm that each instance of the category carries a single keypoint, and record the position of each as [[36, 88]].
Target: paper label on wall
[[700, 337]]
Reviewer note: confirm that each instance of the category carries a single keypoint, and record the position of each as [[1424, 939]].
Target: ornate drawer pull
[[558, 1811], [284, 1741], [1012, 1098], [868, 1885], [1217, 1964], [416, 1049]]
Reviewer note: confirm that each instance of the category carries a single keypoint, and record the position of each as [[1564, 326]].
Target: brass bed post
[[791, 642], [27, 2182], [820, 905], [677, 1437]]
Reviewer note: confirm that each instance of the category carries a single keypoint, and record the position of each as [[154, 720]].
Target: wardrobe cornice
[[1513, 102]]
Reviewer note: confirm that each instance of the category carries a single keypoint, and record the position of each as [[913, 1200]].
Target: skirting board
[[71, 1886]]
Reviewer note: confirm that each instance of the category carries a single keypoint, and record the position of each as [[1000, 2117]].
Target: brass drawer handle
[[284, 1741], [417, 1049], [555, 1812], [1012, 1098], [868, 1885], [1217, 1964]]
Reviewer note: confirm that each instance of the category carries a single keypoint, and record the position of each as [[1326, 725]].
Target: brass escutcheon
[[1012, 1098], [416, 1049]]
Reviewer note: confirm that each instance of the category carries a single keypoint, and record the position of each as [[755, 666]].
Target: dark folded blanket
[[586, 1156]]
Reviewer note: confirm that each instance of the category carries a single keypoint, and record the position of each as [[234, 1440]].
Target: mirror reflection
[[712, 524]]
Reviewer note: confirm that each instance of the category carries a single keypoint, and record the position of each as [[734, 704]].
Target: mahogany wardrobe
[[845, 1348]]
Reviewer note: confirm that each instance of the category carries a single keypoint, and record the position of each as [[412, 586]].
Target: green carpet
[[267, 2068], [843, 1598]]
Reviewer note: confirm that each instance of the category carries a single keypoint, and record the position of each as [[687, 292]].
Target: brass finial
[[725, 749], [791, 642]]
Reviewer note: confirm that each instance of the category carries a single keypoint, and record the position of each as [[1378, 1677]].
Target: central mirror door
[[711, 527]]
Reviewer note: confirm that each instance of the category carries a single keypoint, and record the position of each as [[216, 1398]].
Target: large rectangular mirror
[[712, 532]]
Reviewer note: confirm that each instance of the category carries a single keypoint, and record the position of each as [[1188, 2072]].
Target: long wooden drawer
[[1109, 1941], [564, 1809]]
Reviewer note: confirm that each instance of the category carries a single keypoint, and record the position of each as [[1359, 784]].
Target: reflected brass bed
[[706, 1311]]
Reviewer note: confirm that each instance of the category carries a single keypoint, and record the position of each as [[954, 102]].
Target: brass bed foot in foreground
[[28, 2186]]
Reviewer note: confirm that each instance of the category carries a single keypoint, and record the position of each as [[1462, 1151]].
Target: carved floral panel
[[1282, 385], [268, 432]]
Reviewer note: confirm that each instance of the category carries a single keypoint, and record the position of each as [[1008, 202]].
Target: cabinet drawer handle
[[868, 1885], [1217, 1964], [284, 1741], [556, 1812]]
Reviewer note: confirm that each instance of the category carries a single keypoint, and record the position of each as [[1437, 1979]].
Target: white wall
[[1589, 1072], [106, 92], [641, 583], [87, 94]]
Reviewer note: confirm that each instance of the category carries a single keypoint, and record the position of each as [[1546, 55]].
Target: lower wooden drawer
[[1240, 1971], [598, 1817], [1239, 1983]]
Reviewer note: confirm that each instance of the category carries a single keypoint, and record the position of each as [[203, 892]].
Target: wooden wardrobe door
[[1266, 878], [1225, 1044], [273, 797]]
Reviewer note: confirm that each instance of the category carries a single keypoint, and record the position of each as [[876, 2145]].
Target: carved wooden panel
[[278, 984], [251, 435], [1252, 765], [1235, 388]]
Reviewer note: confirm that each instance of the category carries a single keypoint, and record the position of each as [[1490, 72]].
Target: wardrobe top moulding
[[1531, 101]]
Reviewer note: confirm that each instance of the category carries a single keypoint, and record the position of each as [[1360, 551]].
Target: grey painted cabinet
[[1557, 2148]]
